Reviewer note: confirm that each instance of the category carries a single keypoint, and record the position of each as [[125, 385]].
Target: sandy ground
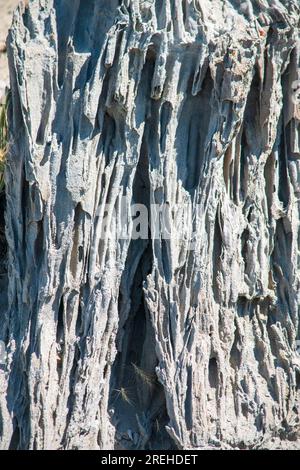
[[6, 10]]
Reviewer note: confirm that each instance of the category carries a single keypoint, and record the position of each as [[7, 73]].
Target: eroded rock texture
[[149, 343]]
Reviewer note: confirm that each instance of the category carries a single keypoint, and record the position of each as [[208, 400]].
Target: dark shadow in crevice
[[136, 397], [3, 242], [193, 133]]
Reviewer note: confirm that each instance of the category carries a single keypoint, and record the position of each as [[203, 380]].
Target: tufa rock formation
[[152, 342]]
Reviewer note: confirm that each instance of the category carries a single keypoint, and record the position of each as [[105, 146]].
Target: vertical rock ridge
[[167, 342]]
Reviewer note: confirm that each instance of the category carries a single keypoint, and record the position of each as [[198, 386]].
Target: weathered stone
[[180, 342]]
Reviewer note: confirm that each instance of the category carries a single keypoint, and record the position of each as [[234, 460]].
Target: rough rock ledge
[[180, 342]]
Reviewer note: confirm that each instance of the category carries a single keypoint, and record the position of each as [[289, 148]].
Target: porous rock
[[174, 342]]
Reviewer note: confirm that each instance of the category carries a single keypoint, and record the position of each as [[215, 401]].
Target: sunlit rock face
[[182, 338]]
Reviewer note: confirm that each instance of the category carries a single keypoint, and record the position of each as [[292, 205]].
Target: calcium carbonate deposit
[[181, 332]]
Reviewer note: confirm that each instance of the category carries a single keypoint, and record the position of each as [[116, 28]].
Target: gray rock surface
[[179, 342], [6, 11]]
